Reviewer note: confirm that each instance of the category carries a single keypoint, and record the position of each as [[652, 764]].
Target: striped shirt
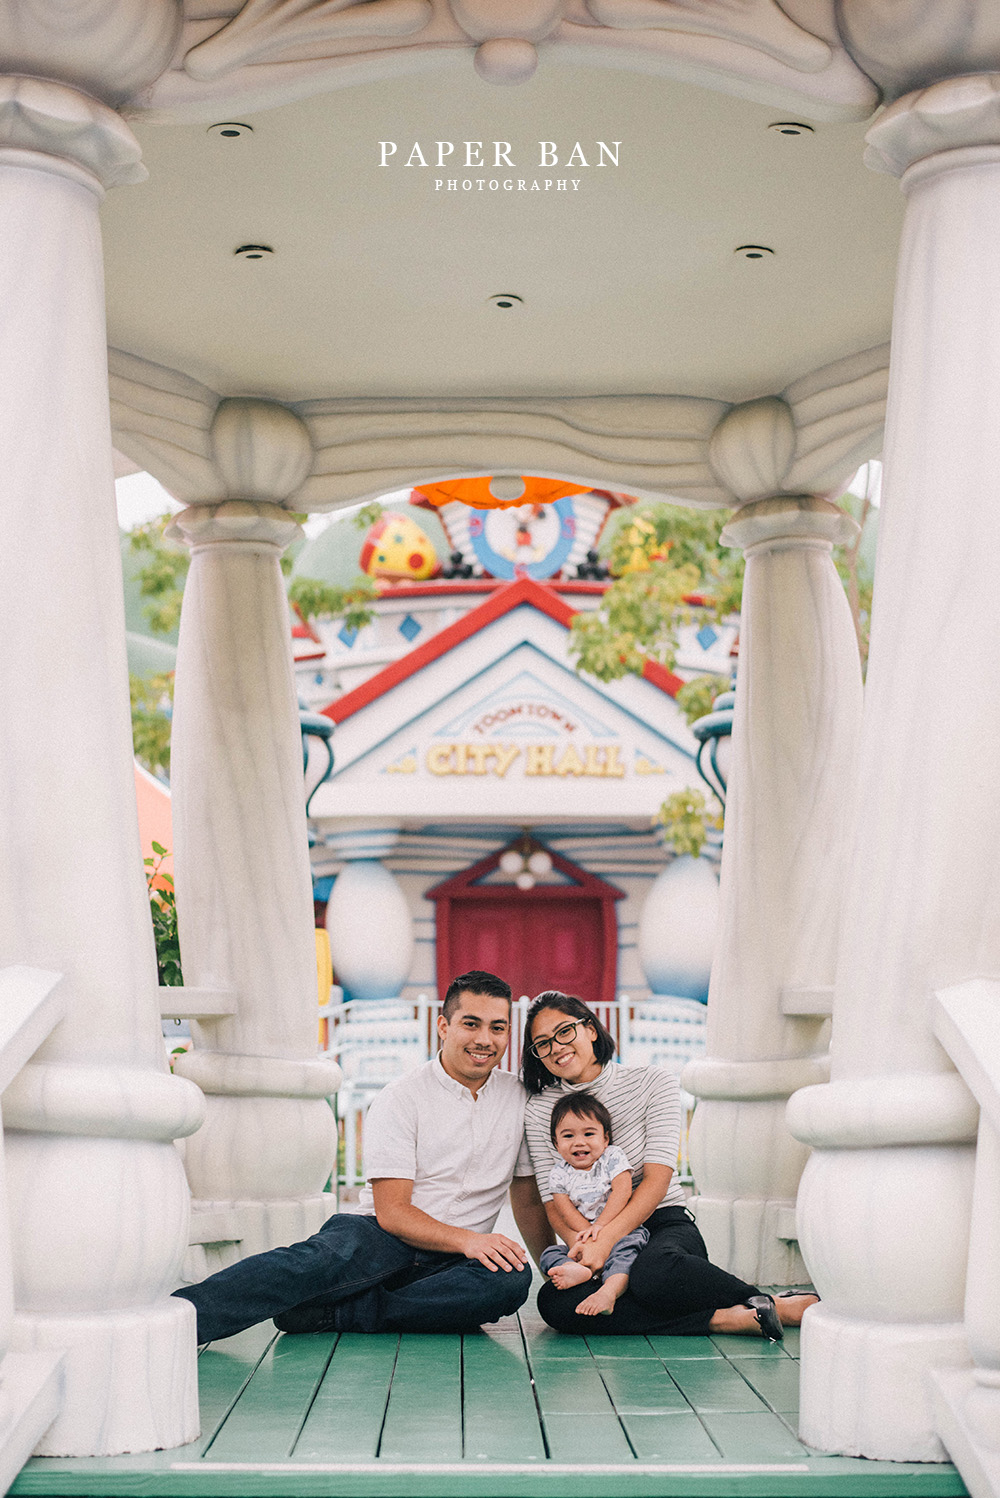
[[645, 1107]]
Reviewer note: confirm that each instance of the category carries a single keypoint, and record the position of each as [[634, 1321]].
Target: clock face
[[529, 541]]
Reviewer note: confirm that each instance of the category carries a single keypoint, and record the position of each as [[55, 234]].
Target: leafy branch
[[151, 698], [685, 817], [163, 909]]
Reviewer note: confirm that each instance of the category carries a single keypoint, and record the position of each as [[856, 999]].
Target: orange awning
[[476, 492]]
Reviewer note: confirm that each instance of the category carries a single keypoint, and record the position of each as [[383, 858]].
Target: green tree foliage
[[696, 696], [151, 698], [319, 600], [685, 817], [663, 559], [163, 909], [161, 577], [368, 515]]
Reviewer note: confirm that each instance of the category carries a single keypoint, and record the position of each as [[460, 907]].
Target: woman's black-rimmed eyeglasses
[[565, 1035]]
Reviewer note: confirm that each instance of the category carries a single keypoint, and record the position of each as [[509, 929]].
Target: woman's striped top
[[645, 1107]]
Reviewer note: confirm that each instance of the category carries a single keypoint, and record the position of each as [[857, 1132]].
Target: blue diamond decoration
[[707, 636], [410, 628], [347, 636]]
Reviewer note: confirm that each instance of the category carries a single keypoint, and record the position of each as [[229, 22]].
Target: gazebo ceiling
[[380, 285]]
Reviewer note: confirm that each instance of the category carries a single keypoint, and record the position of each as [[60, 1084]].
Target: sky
[[142, 498]]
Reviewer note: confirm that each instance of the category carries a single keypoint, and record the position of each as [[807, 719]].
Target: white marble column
[[885, 1200], [366, 897], [99, 1205], [797, 714], [241, 857]]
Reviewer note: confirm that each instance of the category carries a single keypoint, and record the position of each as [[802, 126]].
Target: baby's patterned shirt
[[588, 1190]]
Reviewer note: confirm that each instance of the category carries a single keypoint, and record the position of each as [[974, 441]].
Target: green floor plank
[[776, 1382], [659, 1437], [611, 1349], [264, 1422], [423, 1419], [736, 1348], [716, 1386], [579, 1418], [642, 1387], [500, 1417], [753, 1438], [345, 1420], [683, 1349]]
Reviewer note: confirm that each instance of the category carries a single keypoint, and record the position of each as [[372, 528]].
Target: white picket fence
[[375, 1041]]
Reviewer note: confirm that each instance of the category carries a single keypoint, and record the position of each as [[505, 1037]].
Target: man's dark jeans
[[353, 1276]]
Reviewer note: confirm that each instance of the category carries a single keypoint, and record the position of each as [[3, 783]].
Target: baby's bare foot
[[601, 1303], [565, 1275]]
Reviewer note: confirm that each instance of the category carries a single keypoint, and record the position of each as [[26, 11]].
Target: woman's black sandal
[[767, 1317]]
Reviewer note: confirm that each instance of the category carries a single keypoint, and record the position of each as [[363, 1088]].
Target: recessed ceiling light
[[231, 129], [791, 127], [753, 251], [253, 251], [507, 300]]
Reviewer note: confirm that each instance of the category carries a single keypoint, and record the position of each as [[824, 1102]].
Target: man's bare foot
[[791, 1308], [565, 1275]]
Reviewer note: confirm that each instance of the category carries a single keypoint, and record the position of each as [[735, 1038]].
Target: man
[[442, 1146]]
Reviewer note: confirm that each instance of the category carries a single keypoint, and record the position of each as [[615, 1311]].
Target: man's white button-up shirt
[[459, 1150]]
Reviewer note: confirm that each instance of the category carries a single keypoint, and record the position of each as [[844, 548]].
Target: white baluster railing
[[377, 1039], [31, 1390], [967, 1400]]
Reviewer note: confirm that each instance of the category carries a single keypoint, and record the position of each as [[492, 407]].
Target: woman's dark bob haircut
[[534, 1073]]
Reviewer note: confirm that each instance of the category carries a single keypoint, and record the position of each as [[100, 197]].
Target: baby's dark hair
[[581, 1105]]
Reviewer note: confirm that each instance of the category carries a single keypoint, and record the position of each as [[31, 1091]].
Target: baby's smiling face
[[580, 1141]]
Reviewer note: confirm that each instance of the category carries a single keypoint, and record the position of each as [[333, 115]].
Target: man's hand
[[495, 1251]]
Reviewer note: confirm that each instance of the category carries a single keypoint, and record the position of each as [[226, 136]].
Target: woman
[[673, 1289]]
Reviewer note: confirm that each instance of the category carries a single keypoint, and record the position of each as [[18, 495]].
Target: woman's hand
[[592, 1253]]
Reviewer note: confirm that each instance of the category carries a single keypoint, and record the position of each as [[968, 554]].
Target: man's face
[[474, 1038]]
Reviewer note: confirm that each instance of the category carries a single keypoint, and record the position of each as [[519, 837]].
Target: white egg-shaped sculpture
[[371, 931], [677, 928]]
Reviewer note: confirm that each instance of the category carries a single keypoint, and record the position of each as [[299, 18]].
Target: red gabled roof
[[512, 596]]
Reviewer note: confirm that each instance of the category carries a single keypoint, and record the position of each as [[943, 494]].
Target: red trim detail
[[659, 676], [585, 886], [303, 630], [510, 596]]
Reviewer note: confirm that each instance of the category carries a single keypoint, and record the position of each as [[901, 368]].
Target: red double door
[[535, 943]]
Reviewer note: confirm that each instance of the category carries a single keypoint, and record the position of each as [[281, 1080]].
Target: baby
[[590, 1185]]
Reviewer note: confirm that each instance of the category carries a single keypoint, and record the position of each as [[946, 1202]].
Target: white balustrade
[[967, 1400], [31, 1383]]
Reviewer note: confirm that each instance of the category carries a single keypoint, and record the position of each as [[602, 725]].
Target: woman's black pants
[[673, 1290]]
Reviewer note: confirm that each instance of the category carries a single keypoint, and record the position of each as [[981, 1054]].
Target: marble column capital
[[954, 114], [111, 49], [53, 127], [234, 522], [786, 521]]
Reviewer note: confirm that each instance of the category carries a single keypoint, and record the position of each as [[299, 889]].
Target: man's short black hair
[[474, 982], [581, 1105]]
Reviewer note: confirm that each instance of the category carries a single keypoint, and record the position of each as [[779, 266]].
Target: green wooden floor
[[514, 1412]]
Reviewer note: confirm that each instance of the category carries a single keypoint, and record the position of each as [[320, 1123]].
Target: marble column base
[[745, 1235], [224, 1232], [131, 1378], [866, 1387]]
